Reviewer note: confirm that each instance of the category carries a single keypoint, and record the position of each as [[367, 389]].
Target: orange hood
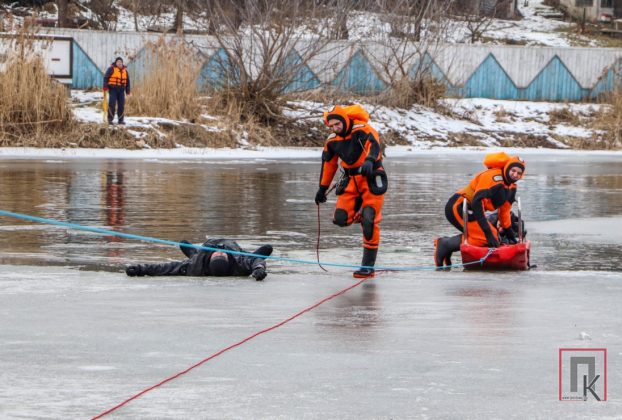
[[348, 115]]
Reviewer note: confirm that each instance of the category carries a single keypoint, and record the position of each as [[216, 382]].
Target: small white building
[[56, 51], [592, 10]]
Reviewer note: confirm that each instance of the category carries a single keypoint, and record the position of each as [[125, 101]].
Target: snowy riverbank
[[454, 123]]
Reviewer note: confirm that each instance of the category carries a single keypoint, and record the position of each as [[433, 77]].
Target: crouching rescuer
[[492, 189], [355, 146]]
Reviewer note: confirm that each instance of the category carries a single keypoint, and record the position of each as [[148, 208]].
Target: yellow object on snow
[[105, 105]]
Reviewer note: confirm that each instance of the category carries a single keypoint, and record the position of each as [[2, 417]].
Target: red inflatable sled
[[506, 257]]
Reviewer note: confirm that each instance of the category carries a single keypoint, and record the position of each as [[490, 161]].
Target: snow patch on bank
[[486, 120], [483, 122]]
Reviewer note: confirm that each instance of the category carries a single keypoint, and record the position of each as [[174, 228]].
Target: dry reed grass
[[406, 92], [564, 116], [327, 95], [526, 140], [503, 116], [95, 136], [195, 135], [241, 118], [168, 87], [610, 121], [463, 139], [33, 105]]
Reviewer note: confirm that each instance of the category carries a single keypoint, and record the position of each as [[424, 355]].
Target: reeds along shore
[[33, 106]]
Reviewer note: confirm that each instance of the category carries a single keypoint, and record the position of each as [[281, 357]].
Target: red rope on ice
[[317, 245], [218, 353]]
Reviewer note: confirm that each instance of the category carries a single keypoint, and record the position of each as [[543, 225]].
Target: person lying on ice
[[209, 263], [492, 189], [356, 146]]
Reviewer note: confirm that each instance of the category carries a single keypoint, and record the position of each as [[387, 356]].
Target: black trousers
[[173, 268], [116, 97]]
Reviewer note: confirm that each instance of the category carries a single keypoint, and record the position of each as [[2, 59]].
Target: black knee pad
[[341, 218], [367, 221]]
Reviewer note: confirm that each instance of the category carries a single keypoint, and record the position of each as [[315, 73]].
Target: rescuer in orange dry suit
[[360, 193], [492, 189]]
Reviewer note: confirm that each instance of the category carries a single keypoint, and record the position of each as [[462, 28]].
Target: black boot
[[369, 260], [264, 250], [444, 247], [133, 270], [188, 251]]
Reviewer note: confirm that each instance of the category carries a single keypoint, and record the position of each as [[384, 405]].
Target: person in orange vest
[[117, 84], [492, 189], [355, 145]]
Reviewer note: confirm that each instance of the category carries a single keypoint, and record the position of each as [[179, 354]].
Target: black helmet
[[219, 264]]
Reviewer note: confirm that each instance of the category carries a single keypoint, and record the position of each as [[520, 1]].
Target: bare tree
[[149, 11], [179, 16], [230, 14], [185, 8], [267, 45], [407, 18], [104, 12], [339, 28], [62, 13], [134, 7], [478, 15], [405, 58]]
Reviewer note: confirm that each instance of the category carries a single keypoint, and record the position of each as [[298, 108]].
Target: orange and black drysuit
[[360, 194], [490, 190]]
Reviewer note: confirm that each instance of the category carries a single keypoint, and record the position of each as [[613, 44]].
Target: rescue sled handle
[[465, 220], [520, 220]]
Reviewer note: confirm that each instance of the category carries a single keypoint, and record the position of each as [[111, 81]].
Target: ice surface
[[599, 230], [420, 344], [404, 345]]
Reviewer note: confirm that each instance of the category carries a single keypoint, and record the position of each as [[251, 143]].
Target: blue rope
[[207, 248]]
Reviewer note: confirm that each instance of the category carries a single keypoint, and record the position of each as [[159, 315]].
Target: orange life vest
[[118, 77]]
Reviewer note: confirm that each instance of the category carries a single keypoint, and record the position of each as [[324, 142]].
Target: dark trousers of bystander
[[116, 102]]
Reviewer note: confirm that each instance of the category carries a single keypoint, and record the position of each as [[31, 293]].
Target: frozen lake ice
[[77, 336]]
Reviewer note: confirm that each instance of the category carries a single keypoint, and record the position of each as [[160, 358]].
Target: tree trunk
[[340, 29], [62, 13], [179, 17], [135, 12]]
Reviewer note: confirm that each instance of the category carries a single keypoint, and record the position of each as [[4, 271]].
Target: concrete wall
[[489, 71]]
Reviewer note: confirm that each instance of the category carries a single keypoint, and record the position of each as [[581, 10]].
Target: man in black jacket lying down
[[210, 263]]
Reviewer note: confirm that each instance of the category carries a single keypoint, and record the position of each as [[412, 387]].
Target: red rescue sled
[[506, 257]]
